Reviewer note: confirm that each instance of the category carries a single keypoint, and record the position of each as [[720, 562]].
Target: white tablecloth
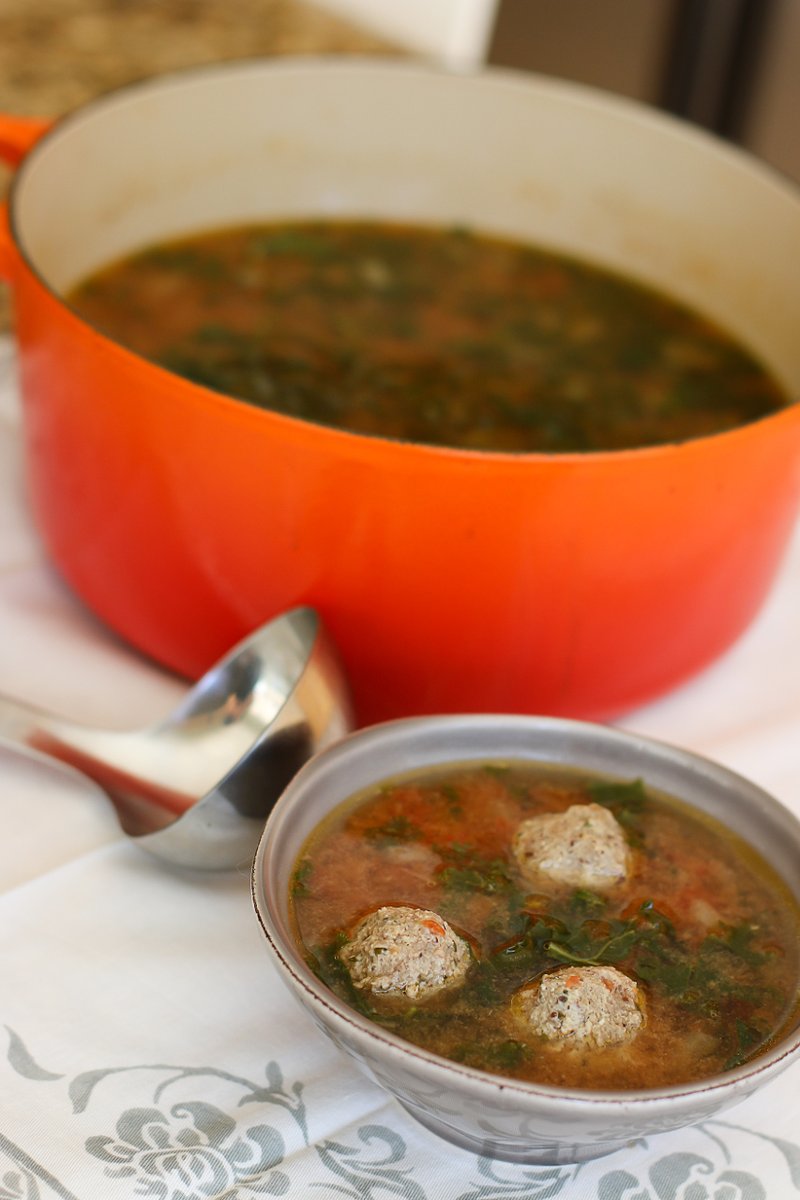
[[148, 1049]]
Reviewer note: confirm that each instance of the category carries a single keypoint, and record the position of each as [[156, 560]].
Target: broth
[[440, 336], [706, 929]]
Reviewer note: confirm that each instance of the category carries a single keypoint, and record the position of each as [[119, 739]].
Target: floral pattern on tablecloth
[[202, 1133]]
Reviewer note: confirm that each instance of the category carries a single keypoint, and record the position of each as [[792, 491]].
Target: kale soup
[[550, 926], [438, 336]]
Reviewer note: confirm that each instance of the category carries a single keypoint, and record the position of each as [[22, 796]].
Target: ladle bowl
[[195, 788]]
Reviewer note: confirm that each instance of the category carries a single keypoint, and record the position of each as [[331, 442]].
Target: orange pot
[[579, 584]]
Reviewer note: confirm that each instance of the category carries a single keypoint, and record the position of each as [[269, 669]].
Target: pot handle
[[6, 245], [18, 135]]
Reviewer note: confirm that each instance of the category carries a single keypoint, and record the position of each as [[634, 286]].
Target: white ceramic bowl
[[478, 1111]]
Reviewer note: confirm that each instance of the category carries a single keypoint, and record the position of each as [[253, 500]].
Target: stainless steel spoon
[[195, 788]]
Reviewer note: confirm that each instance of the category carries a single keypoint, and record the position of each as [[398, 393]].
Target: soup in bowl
[[543, 937]]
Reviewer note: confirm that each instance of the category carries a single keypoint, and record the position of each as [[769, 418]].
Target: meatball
[[405, 952], [584, 846], [587, 1006]]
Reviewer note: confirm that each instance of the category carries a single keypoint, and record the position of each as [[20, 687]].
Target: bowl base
[[536, 1152]]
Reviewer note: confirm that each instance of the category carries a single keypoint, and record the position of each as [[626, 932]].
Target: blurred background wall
[[732, 66]]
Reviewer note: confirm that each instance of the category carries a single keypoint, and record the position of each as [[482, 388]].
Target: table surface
[[149, 1048]]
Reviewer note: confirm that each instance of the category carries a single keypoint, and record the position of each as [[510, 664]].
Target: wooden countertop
[[57, 54]]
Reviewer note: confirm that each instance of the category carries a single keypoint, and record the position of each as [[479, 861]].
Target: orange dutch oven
[[579, 584]]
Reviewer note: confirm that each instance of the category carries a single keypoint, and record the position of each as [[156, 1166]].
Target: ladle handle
[[107, 758], [23, 724], [30, 728]]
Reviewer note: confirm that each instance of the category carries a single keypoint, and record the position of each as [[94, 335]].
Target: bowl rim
[[745, 1078]]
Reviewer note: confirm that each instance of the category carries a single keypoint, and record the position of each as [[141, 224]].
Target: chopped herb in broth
[[445, 337], [699, 926]]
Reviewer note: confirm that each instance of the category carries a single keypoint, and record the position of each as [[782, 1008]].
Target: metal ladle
[[195, 788]]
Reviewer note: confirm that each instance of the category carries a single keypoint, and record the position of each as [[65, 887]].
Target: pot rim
[[619, 106], [743, 1079]]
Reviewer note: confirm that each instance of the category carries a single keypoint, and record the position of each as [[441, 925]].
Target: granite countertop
[[57, 54]]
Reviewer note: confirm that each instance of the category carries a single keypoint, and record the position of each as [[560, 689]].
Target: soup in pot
[[550, 926], [440, 336]]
